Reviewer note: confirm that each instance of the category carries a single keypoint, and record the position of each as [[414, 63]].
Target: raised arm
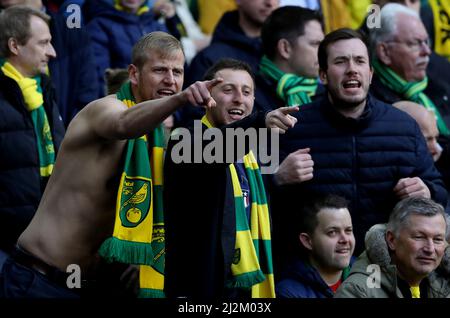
[[112, 119]]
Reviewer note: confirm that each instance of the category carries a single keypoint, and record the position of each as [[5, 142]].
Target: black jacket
[[21, 186], [200, 222]]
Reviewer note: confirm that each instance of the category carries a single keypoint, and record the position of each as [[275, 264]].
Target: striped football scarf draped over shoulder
[[138, 236], [34, 102], [292, 89], [252, 261], [412, 91]]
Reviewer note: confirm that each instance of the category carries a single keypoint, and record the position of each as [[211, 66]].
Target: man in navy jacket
[[361, 148], [22, 182], [324, 243]]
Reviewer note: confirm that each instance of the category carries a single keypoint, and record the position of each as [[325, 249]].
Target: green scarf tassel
[[139, 236]]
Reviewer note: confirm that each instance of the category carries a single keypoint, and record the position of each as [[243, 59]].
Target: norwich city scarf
[[34, 102], [143, 9], [252, 261], [138, 236], [441, 20], [412, 91], [292, 89]]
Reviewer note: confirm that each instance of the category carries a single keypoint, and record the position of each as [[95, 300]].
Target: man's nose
[[351, 68], [429, 246], [51, 51], [425, 49], [169, 78]]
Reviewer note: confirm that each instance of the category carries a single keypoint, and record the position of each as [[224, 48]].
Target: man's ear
[[390, 240], [133, 74], [13, 46], [305, 240], [323, 77], [383, 53], [284, 49]]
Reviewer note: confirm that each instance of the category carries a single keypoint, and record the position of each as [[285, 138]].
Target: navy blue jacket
[[73, 71], [438, 90], [301, 280], [114, 33], [360, 159], [228, 40], [21, 186]]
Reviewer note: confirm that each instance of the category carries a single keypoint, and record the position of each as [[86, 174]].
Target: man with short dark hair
[[289, 70], [324, 231], [238, 36], [403, 256]]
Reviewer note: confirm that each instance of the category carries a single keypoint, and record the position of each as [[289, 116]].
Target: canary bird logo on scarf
[[138, 201]]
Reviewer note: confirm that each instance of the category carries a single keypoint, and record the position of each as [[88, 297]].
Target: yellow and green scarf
[[34, 102], [292, 89], [412, 91], [252, 261], [139, 236], [441, 21], [143, 9]]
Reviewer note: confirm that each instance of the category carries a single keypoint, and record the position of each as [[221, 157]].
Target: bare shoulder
[[95, 118], [103, 106]]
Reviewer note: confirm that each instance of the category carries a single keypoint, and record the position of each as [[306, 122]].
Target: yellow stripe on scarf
[[252, 261], [415, 291], [34, 103], [138, 236], [28, 86], [441, 20]]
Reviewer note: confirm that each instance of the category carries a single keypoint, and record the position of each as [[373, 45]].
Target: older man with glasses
[[402, 55]]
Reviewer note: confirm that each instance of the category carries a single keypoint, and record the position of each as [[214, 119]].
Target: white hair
[[389, 17]]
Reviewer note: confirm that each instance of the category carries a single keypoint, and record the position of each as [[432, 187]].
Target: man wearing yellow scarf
[[31, 129], [216, 214], [104, 196]]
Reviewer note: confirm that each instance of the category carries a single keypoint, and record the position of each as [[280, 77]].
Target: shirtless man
[[77, 211]]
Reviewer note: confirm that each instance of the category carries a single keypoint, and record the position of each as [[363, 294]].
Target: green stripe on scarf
[[138, 236], [34, 101], [292, 89], [252, 261], [412, 91]]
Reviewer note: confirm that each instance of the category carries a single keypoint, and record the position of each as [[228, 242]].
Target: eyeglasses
[[414, 45]]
